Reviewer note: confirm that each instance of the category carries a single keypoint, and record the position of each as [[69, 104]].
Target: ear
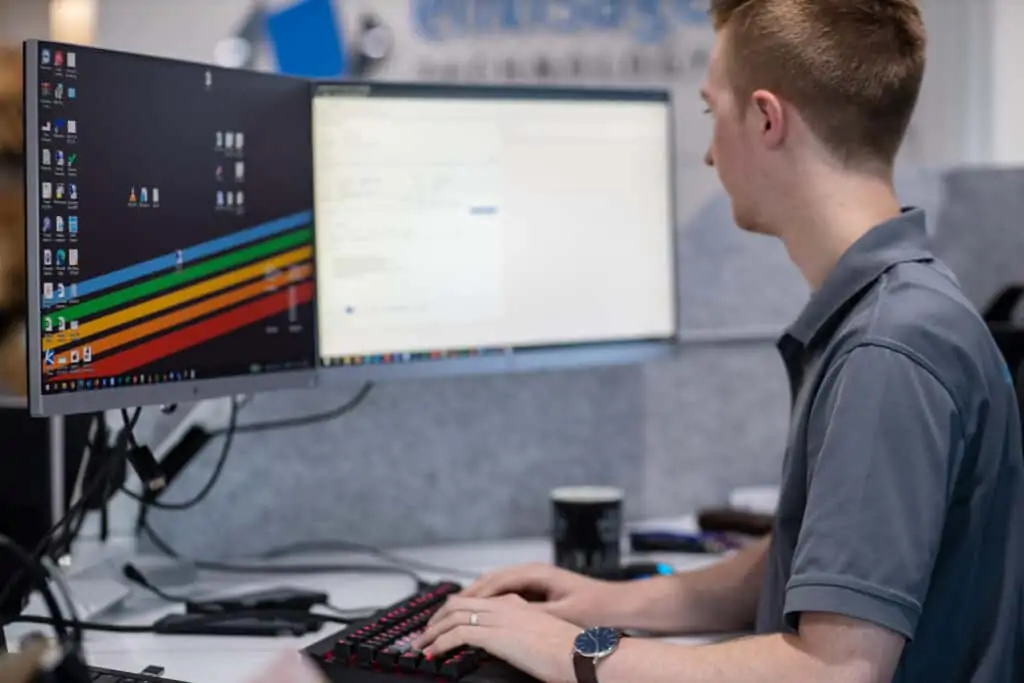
[[769, 116]]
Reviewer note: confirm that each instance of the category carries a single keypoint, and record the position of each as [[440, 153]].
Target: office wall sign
[[644, 21]]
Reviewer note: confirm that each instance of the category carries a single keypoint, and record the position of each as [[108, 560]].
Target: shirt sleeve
[[883, 441]]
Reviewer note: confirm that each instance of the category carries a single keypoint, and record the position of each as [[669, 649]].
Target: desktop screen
[[467, 221], [170, 225]]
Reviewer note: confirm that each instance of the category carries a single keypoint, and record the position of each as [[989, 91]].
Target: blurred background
[[416, 462]]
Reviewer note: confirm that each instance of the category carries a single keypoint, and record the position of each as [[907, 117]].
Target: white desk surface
[[221, 659]]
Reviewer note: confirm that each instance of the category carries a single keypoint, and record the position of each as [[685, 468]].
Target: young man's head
[[800, 89]]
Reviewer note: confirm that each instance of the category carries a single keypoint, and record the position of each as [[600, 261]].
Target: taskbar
[[61, 384], [401, 358]]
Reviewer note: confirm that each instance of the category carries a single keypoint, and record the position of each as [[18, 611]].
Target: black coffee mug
[[587, 528]]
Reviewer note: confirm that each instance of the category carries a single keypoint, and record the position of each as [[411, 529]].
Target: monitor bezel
[[525, 359], [41, 404]]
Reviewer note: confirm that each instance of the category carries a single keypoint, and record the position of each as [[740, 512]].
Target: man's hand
[[509, 628], [570, 596]]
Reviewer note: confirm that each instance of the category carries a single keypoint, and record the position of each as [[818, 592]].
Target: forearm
[[722, 597], [766, 659]]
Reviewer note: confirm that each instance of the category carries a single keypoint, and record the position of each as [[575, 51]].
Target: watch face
[[597, 642]]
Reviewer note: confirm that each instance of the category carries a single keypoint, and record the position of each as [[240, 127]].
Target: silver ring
[[474, 620]]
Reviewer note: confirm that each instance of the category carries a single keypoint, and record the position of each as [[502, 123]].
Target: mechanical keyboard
[[378, 649]]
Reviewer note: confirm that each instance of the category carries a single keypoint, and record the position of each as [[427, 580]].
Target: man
[[897, 548]]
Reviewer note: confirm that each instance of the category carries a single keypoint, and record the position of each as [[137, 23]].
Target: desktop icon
[[144, 196], [87, 354], [156, 195], [231, 199], [73, 225], [62, 323], [73, 326], [132, 199], [220, 139], [239, 141], [58, 192], [61, 291], [47, 127], [58, 126], [60, 223], [49, 358], [48, 290], [208, 79], [73, 191], [220, 173], [179, 259], [229, 140], [72, 159], [74, 290], [47, 257], [72, 127], [47, 224], [58, 92], [74, 356], [45, 57], [220, 198], [72, 92], [239, 198], [47, 190], [46, 88], [46, 157], [62, 258], [72, 60], [60, 158], [239, 171], [58, 59]]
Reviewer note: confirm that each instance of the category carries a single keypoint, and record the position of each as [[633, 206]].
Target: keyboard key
[[410, 662]]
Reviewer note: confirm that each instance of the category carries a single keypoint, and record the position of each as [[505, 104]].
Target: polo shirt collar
[[898, 240]]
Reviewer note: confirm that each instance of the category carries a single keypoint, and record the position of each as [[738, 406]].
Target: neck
[[830, 215]]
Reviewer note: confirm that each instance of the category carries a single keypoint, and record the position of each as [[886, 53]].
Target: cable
[[212, 618], [207, 488], [241, 568], [39, 574], [305, 420], [352, 546], [44, 544]]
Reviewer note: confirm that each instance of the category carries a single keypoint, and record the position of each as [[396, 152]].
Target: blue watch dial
[[597, 641]]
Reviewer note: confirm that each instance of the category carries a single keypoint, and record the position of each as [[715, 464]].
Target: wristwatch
[[589, 648]]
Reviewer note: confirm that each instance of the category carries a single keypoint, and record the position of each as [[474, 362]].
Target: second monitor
[[474, 228]]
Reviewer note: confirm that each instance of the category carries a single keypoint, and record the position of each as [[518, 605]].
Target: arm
[[722, 597], [885, 445]]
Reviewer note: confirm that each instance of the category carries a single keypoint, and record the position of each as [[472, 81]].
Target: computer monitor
[[469, 228], [170, 238]]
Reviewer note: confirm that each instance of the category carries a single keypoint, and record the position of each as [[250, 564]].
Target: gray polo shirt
[[902, 498]]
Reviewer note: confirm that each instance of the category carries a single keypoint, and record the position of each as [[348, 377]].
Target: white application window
[[467, 223]]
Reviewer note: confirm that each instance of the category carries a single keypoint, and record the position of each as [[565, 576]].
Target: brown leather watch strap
[[586, 668]]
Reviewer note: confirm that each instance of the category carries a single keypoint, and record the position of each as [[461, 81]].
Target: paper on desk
[[290, 667]]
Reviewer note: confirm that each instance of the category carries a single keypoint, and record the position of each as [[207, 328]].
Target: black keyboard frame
[[350, 669]]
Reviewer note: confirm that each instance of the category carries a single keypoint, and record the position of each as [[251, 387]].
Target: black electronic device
[[269, 626], [273, 600], [378, 649], [100, 675]]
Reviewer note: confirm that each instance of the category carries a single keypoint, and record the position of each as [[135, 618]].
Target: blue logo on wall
[[307, 40], [649, 21]]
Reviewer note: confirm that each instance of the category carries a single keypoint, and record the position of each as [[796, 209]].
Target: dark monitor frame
[[527, 358], [93, 400]]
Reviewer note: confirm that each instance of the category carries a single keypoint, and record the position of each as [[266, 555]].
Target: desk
[[198, 659]]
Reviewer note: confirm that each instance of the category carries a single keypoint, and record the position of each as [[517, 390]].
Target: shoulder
[[916, 314]]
